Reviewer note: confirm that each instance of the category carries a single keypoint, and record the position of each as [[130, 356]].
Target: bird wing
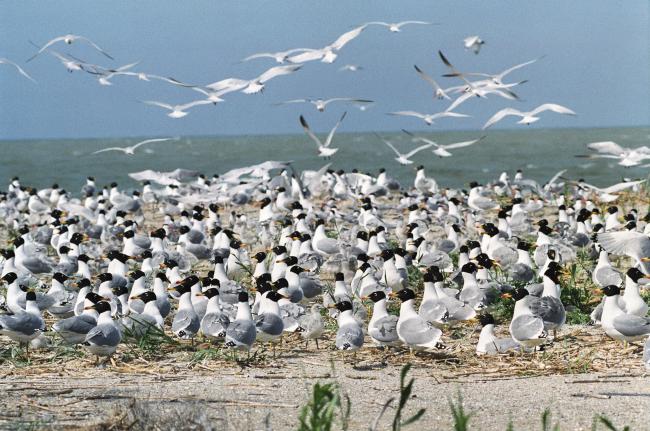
[[552, 107], [407, 114], [622, 186], [311, 55], [518, 66], [427, 78], [305, 126], [286, 102], [462, 144], [416, 331], [20, 69], [460, 99], [448, 113], [231, 84], [628, 243], [259, 55], [149, 141], [194, 103], [399, 24], [500, 116], [328, 141], [347, 37], [103, 150], [44, 47], [607, 147], [278, 71], [385, 24], [417, 150], [97, 47], [390, 145], [631, 325], [171, 80], [160, 104], [526, 327]]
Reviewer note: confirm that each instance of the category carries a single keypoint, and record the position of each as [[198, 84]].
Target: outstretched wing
[[328, 141], [500, 116], [305, 126]]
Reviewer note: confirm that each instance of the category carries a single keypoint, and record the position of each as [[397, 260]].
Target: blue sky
[[597, 63]]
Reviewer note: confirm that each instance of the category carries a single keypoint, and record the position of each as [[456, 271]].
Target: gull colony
[[248, 257]]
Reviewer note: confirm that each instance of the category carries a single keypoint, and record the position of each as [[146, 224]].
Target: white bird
[[321, 104], [20, 69], [439, 92], [328, 53], [178, 111], [611, 150], [68, 39], [498, 78], [428, 118], [350, 68], [529, 116], [324, 149], [474, 43], [131, 150], [279, 57], [442, 150], [403, 159], [72, 64], [256, 85], [396, 27]]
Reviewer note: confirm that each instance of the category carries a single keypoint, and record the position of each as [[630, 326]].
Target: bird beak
[[90, 307], [598, 291], [199, 294], [392, 295], [645, 259], [162, 266], [253, 289], [331, 306], [364, 298], [135, 297], [506, 296], [170, 289], [281, 261], [494, 262]]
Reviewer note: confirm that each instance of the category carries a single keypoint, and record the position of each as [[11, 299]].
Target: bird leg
[[316, 343]]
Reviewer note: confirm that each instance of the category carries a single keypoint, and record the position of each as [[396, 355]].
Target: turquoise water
[[540, 153]]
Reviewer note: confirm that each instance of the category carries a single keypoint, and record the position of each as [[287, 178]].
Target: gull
[[396, 27], [250, 86], [320, 104], [611, 150], [474, 43], [403, 159], [106, 74], [71, 64], [103, 339], [442, 150], [439, 92], [256, 85], [608, 194], [279, 57], [328, 53], [617, 323], [412, 329], [350, 68], [26, 325], [241, 332], [178, 111], [213, 96], [142, 76], [68, 39], [20, 69], [498, 78], [324, 149], [529, 116], [349, 335], [428, 118], [131, 150]]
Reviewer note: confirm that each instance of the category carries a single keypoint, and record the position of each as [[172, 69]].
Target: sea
[[540, 153]]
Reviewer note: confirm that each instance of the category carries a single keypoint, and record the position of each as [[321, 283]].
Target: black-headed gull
[[439, 92], [328, 53]]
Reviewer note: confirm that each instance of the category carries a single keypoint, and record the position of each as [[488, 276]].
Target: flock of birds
[[470, 85], [257, 252], [247, 256]]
